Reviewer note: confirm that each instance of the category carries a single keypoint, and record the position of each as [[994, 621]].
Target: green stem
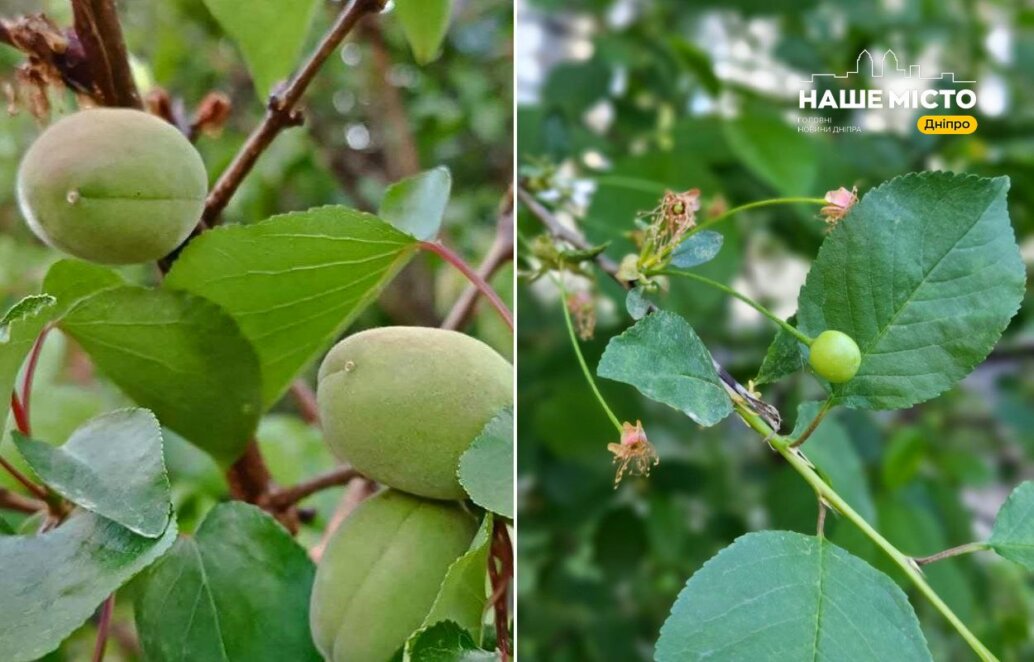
[[755, 205], [742, 297], [782, 445], [581, 359], [803, 437]]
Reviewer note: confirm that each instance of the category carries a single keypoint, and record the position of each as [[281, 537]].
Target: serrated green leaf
[[924, 273], [1013, 533], [112, 466], [486, 467], [444, 641], [178, 355], [697, 249], [293, 282], [463, 594], [663, 357], [416, 205], [785, 356], [237, 590], [270, 35], [777, 595], [424, 23], [773, 151], [830, 449], [53, 582]]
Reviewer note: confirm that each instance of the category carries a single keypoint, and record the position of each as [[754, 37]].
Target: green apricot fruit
[[381, 572], [112, 185], [402, 404], [835, 356]]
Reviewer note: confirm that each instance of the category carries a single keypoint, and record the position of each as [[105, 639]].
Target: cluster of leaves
[[602, 568], [206, 357]]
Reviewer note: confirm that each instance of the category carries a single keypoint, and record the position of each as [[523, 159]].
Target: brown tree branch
[[289, 496], [100, 33], [308, 408], [281, 112], [735, 390], [499, 254], [13, 501], [500, 572]]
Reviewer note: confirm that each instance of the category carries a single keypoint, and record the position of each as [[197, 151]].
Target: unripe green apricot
[[835, 356], [402, 404], [381, 572], [112, 185]]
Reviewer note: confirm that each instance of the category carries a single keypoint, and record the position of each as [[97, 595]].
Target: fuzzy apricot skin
[[381, 572], [113, 186], [402, 404], [835, 356]]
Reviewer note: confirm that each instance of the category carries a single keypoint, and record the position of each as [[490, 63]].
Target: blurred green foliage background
[[619, 100], [373, 116]]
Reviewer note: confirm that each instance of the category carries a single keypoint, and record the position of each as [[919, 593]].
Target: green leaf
[[637, 304], [270, 35], [416, 205], [777, 595], [236, 590], [445, 641], [178, 355], [293, 282], [463, 594], [699, 248], [19, 329], [1013, 533], [785, 356], [486, 467], [5, 528], [665, 360], [53, 582], [424, 23], [924, 274], [830, 449], [112, 466], [773, 151], [71, 281]]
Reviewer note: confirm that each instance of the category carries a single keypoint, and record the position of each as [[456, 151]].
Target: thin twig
[[292, 495], [968, 548], [13, 501], [305, 397], [500, 253], [455, 260], [103, 628], [813, 425], [99, 32], [281, 111]]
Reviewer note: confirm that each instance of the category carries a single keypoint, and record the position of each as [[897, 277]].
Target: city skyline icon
[[887, 63]]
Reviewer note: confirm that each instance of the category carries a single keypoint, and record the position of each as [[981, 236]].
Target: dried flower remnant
[[667, 225], [583, 309], [840, 202], [635, 454]]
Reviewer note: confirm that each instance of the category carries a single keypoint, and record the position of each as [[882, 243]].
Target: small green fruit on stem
[[835, 356], [381, 572], [402, 404], [112, 185]]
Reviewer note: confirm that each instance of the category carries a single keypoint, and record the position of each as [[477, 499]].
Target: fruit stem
[[824, 491], [455, 260], [581, 359], [754, 205], [786, 326]]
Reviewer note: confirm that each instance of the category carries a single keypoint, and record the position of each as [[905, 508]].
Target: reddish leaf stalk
[[455, 260], [103, 628], [500, 572], [30, 373]]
